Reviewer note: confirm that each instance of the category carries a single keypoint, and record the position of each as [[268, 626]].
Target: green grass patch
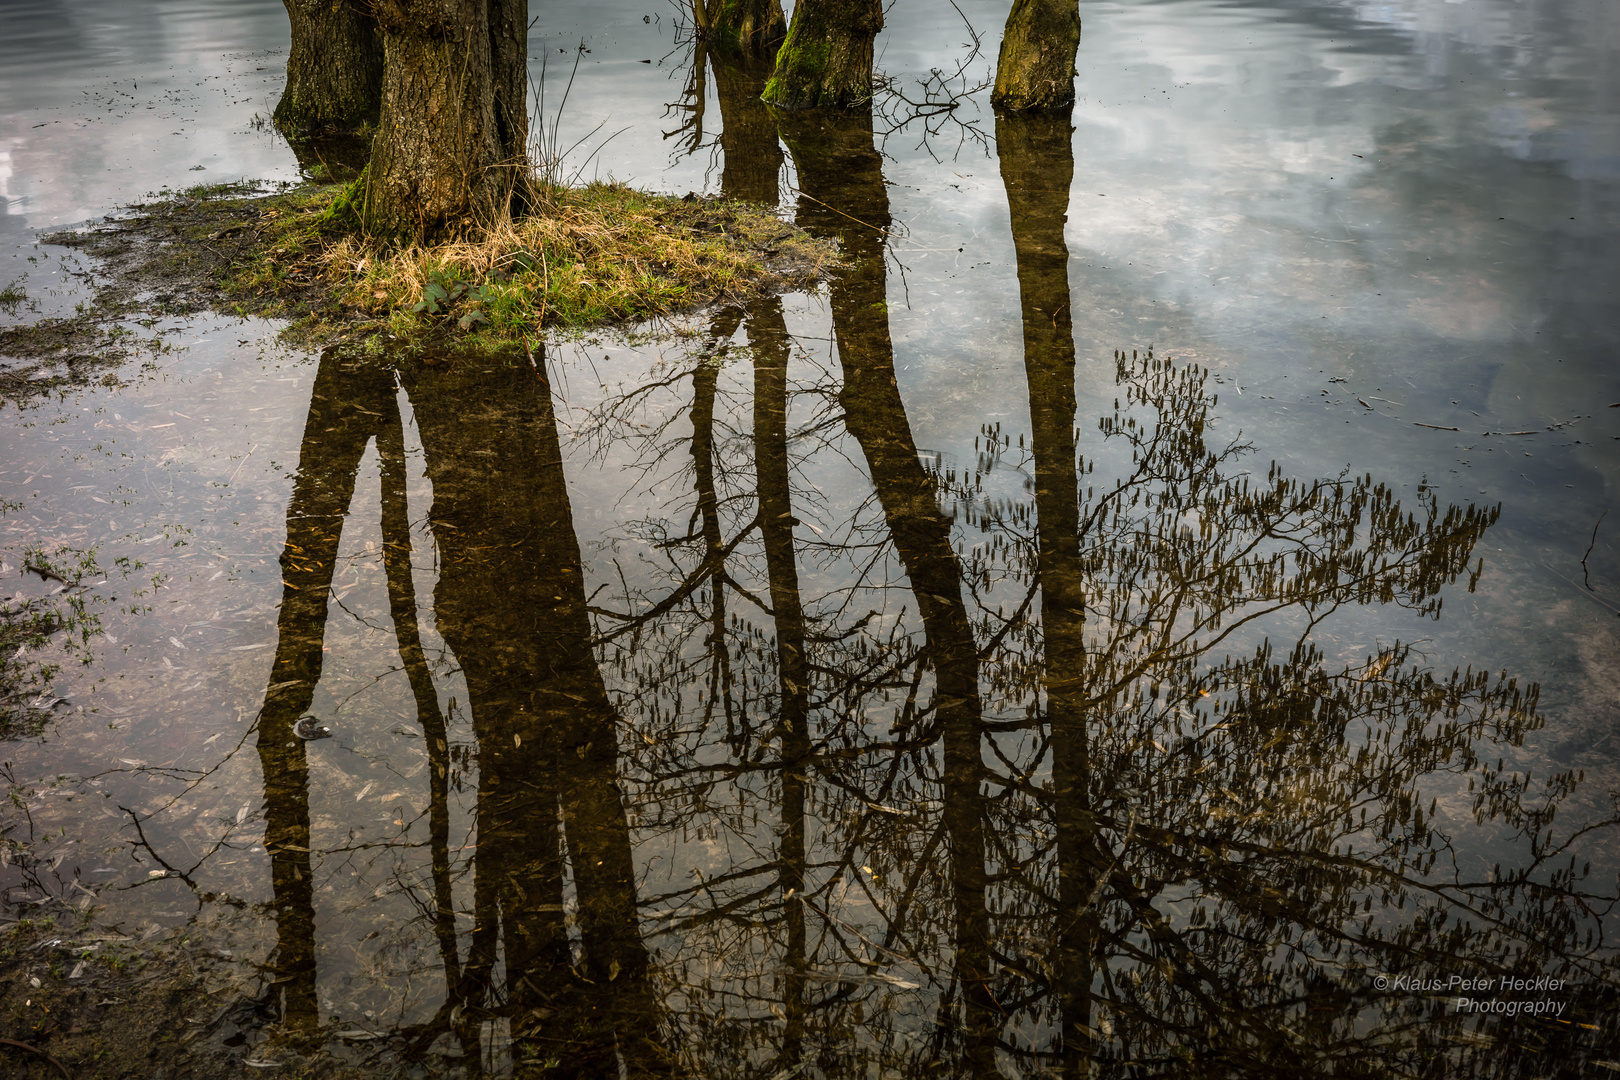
[[12, 297], [582, 258]]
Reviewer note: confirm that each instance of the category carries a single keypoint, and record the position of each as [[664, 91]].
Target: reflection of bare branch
[[169, 868], [707, 569], [693, 100]]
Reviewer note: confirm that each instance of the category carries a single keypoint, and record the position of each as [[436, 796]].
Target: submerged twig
[[61, 1068]]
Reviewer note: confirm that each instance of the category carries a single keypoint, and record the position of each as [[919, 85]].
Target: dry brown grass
[[585, 257]]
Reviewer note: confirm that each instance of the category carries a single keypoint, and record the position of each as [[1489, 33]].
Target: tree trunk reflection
[[840, 174], [1161, 822], [511, 604], [345, 404], [1037, 167], [770, 343]]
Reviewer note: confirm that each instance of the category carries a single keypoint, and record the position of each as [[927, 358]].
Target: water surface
[[1155, 613]]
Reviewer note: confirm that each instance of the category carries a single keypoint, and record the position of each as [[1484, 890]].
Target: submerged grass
[[581, 258]]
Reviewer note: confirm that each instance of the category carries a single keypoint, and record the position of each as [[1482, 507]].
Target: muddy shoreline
[[153, 260]]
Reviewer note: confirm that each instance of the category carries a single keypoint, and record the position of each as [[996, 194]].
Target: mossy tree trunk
[[1035, 71], [334, 69], [454, 123], [749, 27], [826, 61]]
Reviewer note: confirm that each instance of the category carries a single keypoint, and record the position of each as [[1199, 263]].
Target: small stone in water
[[309, 728]]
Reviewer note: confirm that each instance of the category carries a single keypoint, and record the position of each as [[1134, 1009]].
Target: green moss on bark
[[746, 27], [826, 60], [1035, 70]]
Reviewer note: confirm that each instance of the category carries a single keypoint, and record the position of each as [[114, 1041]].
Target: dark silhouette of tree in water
[[549, 804], [1148, 817], [1231, 848], [346, 408], [1121, 829], [548, 801], [840, 174], [1037, 167], [1146, 825]]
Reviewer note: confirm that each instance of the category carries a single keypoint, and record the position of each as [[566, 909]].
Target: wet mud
[[88, 1002], [155, 260]]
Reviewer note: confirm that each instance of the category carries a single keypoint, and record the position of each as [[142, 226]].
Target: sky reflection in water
[[896, 678]]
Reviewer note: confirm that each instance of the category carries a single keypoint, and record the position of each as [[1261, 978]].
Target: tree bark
[[826, 61], [454, 122], [750, 27], [1035, 70], [509, 66], [334, 69]]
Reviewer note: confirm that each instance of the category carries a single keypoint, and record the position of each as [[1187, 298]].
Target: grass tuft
[[583, 257]]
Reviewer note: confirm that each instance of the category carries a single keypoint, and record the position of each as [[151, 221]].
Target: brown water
[[917, 677]]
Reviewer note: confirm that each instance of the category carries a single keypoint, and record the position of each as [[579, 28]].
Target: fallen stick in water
[[61, 1068]]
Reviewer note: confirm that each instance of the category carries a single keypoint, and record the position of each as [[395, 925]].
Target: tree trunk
[[750, 27], [509, 66], [334, 69], [454, 122], [826, 61], [1035, 70]]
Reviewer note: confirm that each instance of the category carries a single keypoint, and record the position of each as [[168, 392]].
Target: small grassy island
[[580, 258]]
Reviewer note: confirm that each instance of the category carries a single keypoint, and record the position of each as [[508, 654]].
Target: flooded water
[[1155, 613]]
